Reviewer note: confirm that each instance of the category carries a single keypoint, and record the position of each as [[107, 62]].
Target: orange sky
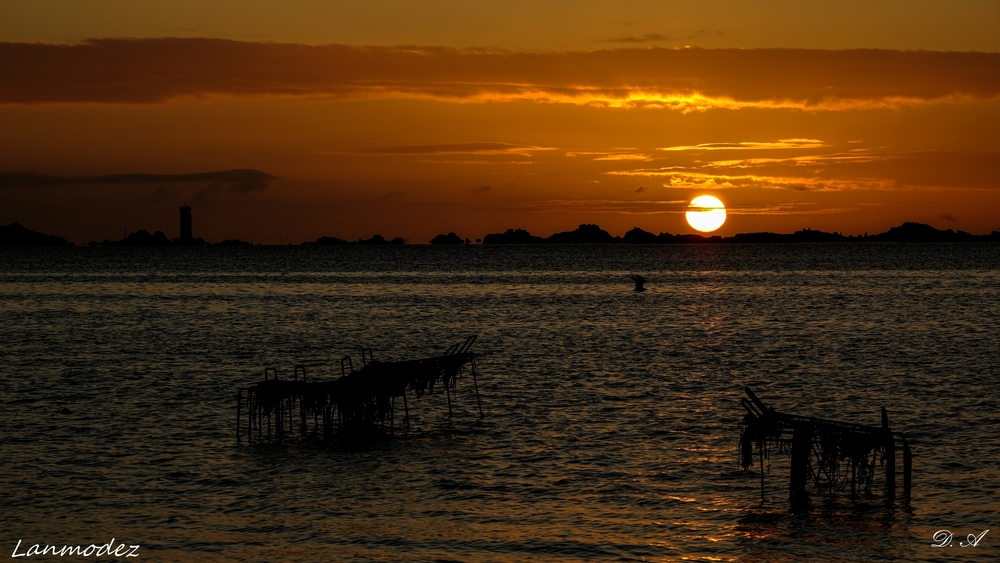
[[538, 116]]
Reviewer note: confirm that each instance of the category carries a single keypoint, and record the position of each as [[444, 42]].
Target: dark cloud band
[[239, 180], [137, 71]]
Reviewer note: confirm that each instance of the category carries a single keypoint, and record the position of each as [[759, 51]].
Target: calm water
[[611, 416]]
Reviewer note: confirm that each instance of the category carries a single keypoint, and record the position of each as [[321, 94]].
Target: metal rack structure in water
[[359, 402], [830, 454]]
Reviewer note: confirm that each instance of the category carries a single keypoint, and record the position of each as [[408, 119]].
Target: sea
[[611, 418]]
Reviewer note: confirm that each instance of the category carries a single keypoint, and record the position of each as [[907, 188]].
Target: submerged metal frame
[[831, 455], [357, 402]]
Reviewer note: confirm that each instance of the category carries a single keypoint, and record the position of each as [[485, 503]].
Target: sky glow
[[356, 118]]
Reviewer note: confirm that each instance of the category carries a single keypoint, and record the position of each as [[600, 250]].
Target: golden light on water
[[707, 213]]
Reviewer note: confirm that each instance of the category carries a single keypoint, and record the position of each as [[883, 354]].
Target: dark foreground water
[[611, 416]]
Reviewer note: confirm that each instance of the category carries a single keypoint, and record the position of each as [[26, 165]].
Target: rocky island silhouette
[[16, 234]]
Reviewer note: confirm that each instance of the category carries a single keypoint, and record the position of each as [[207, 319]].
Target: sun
[[706, 213]]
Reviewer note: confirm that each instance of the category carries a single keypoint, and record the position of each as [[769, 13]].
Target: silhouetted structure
[[376, 240], [142, 237], [805, 235], [830, 454], [512, 236], [450, 238], [919, 232], [358, 404], [639, 236], [584, 234], [592, 234], [639, 281], [186, 234]]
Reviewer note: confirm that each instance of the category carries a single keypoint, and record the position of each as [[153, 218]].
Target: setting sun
[[707, 213]]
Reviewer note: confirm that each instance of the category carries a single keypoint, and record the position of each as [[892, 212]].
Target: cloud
[[453, 148], [665, 207], [699, 180], [810, 160], [640, 157], [622, 207], [641, 39], [162, 194], [655, 37], [235, 181], [948, 217], [144, 71], [612, 155], [463, 162], [208, 193], [480, 162], [751, 145], [902, 170], [480, 189], [798, 208], [852, 170]]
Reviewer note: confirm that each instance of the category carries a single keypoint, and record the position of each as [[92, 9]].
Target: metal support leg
[[447, 393], [907, 468], [760, 449], [475, 383], [801, 450], [890, 458], [239, 404], [406, 412]]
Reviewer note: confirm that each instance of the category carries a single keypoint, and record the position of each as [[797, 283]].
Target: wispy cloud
[[699, 180], [658, 37], [504, 149], [751, 145], [665, 207], [612, 155], [916, 169], [810, 160], [481, 162], [651, 172], [142, 71], [623, 156], [649, 37], [162, 194], [795, 208], [236, 181], [463, 162], [622, 207]]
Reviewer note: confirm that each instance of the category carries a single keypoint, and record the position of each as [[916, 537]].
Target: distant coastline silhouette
[[592, 234], [376, 240], [16, 234]]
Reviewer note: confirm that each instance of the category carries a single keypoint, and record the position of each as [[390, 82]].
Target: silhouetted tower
[[186, 223]]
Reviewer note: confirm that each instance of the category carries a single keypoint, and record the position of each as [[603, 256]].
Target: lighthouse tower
[[186, 223]]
